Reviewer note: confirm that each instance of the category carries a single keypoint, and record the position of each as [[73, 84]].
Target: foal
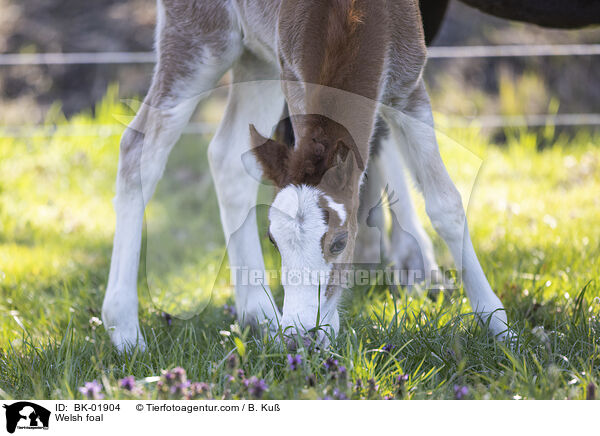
[[339, 64]]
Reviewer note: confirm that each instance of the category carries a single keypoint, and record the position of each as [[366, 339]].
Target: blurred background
[[459, 86]]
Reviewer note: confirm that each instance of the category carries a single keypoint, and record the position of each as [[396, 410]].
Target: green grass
[[534, 221]]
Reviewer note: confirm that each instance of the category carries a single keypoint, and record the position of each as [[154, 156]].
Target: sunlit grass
[[533, 217]]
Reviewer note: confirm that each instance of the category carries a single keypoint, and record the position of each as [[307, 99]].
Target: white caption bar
[[301, 417]]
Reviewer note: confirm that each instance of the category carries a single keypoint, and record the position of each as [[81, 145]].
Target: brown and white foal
[[339, 65]]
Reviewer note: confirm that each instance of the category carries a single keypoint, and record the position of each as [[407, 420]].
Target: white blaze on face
[[297, 225], [337, 207]]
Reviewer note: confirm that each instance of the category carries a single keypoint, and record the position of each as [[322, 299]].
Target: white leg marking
[[444, 206], [145, 147], [261, 104]]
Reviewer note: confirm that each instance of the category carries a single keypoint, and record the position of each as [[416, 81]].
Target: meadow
[[532, 200]]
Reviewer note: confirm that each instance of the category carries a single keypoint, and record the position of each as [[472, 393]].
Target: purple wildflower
[[230, 379], [179, 374], [180, 389], [256, 387], [401, 384], [229, 310], [92, 390], [168, 377], [294, 361], [590, 393], [358, 385], [373, 387], [173, 381], [127, 383], [388, 347], [232, 361], [460, 392], [241, 374], [339, 395], [402, 378], [196, 390], [342, 372], [331, 364]]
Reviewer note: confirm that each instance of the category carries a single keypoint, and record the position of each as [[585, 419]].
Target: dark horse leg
[[559, 14], [432, 14]]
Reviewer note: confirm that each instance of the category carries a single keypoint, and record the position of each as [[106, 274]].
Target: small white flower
[[236, 329], [95, 322]]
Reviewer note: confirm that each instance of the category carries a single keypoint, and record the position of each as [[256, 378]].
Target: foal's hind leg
[[443, 203], [371, 240], [408, 247], [411, 249], [183, 72]]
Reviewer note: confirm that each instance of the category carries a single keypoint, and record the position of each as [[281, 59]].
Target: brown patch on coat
[[342, 39], [336, 43]]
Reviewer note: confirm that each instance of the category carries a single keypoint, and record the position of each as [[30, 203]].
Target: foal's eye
[[339, 243]]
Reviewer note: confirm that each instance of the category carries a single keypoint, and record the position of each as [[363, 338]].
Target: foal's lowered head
[[313, 218]]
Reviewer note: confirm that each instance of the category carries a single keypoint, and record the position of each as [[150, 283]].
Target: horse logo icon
[[26, 415]]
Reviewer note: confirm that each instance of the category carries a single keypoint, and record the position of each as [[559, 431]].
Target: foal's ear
[[272, 156], [338, 177]]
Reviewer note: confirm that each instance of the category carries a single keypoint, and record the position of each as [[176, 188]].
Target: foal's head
[[312, 220]]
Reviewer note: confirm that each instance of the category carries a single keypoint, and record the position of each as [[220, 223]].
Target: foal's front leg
[[234, 171], [184, 72], [145, 147], [443, 203]]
